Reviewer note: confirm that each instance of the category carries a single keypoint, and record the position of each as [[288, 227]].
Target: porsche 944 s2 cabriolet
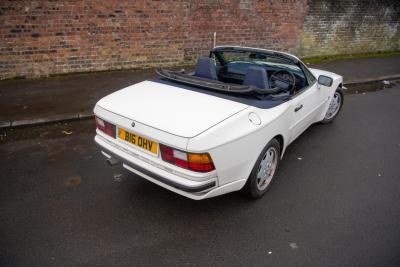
[[223, 127]]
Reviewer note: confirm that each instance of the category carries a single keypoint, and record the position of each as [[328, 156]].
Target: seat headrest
[[206, 68], [256, 76]]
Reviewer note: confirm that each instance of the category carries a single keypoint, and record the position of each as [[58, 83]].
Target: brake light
[[199, 162], [105, 127]]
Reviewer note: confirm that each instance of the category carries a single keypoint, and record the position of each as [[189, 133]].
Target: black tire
[[330, 119], [252, 188]]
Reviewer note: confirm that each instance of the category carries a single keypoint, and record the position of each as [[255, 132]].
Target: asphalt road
[[335, 202]]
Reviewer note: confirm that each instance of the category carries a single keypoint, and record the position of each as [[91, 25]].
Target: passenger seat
[[206, 68]]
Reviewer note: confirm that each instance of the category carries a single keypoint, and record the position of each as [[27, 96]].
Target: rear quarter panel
[[236, 143]]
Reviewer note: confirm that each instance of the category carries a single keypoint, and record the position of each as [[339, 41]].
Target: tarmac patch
[[117, 177], [73, 181]]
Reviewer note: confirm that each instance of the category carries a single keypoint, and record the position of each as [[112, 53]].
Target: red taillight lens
[[192, 161], [105, 127], [167, 154], [201, 167]]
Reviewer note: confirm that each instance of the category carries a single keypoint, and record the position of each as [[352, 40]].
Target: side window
[[310, 77]]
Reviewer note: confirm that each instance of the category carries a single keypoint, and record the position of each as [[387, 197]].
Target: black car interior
[[252, 72], [261, 71]]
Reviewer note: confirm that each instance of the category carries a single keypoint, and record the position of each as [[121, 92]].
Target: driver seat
[[256, 76]]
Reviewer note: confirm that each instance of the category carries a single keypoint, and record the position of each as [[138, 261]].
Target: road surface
[[335, 202]]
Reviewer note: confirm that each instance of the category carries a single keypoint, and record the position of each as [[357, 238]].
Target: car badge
[[133, 124]]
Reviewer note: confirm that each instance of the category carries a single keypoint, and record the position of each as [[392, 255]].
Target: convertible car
[[222, 128]]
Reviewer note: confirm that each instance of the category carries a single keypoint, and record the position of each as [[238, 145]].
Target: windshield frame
[[217, 53]]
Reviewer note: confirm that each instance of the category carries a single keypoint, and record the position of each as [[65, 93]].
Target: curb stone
[[5, 124], [378, 79], [47, 120]]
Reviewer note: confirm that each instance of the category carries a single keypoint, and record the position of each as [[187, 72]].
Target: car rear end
[[147, 147]]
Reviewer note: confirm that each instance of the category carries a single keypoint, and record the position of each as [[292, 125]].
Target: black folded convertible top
[[213, 85]]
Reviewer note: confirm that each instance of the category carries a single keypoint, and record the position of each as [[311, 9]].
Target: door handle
[[298, 108]]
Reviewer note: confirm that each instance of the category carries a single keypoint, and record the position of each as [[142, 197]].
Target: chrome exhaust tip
[[112, 161]]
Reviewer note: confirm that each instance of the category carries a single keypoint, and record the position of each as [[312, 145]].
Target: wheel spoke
[[264, 164], [268, 159]]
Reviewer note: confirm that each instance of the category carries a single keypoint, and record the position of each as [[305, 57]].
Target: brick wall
[[265, 24], [38, 38]]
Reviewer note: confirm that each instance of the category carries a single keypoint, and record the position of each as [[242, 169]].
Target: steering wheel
[[284, 84]]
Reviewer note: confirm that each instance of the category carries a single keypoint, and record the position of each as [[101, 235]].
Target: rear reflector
[[105, 127], [192, 161]]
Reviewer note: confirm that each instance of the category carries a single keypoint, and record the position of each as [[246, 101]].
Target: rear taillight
[[105, 127], [192, 161]]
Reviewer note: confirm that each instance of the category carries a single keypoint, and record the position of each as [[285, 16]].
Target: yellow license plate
[[138, 140]]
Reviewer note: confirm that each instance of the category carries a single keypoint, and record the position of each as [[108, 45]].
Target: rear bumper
[[183, 187], [187, 187]]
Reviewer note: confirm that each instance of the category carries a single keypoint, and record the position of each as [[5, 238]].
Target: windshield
[[238, 62]]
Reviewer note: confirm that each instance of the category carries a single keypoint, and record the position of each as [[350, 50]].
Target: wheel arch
[[249, 184], [281, 140], [279, 137]]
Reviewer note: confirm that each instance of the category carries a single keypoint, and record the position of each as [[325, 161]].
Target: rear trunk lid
[[169, 108]]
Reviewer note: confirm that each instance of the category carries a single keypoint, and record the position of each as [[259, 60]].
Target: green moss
[[338, 57], [175, 66]]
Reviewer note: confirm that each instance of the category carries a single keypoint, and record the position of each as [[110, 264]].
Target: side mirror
[[325, 80]]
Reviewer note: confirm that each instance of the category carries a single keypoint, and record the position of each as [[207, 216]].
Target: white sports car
[[222, 128]]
